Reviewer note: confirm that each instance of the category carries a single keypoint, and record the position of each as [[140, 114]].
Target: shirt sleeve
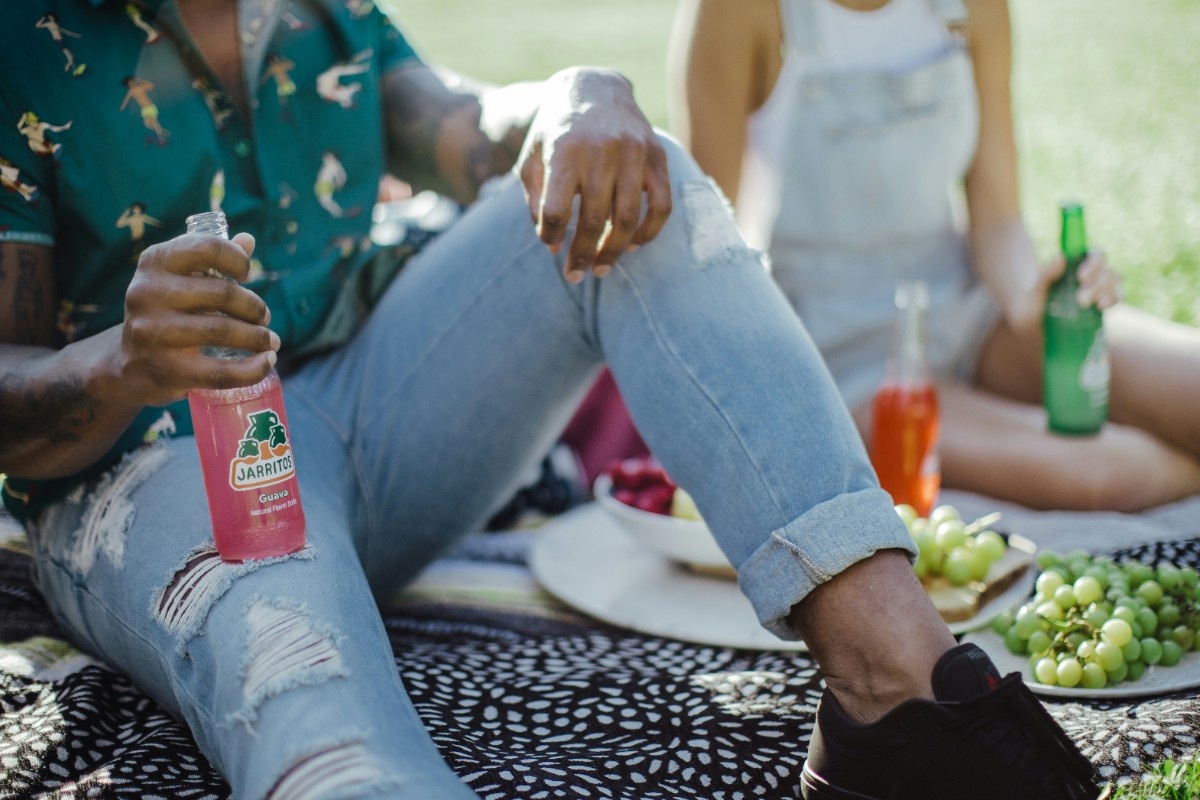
[[395, 49], [26, 181]]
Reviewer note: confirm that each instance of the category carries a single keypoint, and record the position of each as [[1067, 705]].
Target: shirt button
[[302, 306], [242, 148]]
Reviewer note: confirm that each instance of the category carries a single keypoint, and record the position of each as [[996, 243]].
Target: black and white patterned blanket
[[525, 699]]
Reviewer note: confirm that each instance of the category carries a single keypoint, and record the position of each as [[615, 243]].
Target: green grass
[[1104, 92], [1111, 115], [1170, 781]]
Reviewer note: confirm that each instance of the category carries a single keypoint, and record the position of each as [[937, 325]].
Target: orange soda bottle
[[904, 431]]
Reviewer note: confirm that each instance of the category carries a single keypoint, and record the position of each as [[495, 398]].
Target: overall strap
[[800, 33]]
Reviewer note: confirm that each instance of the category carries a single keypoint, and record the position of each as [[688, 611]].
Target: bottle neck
[[213, 223], [1074, 235], [908, 351]]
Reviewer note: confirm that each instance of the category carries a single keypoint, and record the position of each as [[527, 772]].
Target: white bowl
[[686, 541]]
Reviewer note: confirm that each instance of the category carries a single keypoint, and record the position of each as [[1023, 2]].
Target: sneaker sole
[[813, 787]]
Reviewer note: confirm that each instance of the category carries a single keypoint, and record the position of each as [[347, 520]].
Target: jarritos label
[[264, 455]]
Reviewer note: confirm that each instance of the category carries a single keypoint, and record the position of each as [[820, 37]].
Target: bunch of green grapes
[[1095, 623], [960, 551]]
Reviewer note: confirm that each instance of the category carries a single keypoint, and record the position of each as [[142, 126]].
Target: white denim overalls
[[870, 170]]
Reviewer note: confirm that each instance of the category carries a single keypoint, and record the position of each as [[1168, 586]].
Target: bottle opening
[[210, 222]]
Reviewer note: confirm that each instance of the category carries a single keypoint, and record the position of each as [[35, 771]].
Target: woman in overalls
[[843, 130]]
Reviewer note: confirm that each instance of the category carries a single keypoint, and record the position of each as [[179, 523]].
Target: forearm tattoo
[[429, 123], [56, 410], [29, 302], [33, 406]]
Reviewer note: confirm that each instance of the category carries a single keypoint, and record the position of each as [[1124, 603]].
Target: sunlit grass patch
[[1169, 781]]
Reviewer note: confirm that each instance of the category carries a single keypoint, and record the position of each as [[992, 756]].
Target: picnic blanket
[[528, 699]]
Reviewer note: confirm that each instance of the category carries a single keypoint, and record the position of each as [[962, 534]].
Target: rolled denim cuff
[[816, 546]]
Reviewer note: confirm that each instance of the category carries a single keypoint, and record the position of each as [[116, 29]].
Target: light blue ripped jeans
[[411, 435]]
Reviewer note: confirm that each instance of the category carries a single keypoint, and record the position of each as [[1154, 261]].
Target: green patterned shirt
[[113, 130]]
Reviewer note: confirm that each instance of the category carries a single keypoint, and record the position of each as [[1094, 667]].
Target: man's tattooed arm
[[448, 135], [57, 409], [31, 311], [51, 422]]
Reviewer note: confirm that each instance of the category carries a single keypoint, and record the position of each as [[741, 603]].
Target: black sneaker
[[988, 738]]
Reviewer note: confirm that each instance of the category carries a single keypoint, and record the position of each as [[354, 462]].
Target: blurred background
[[1106, 97]]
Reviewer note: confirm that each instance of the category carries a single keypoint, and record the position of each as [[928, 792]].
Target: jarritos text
[[264, 455]]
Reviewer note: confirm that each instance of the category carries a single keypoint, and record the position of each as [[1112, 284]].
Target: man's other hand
[[590, 140]]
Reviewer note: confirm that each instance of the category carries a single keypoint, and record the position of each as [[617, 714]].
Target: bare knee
[[1101, 486]]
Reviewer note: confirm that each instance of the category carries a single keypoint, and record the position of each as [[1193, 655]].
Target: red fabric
[[601, 431]]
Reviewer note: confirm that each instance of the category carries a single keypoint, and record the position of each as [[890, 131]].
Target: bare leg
[[1155, 373], [1000, 447], [877, 606]]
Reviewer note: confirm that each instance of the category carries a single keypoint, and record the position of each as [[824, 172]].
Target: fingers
[[198, 253], [591, 151], [182, 313], [234, 374], [595, 209], [175, 308], [533, 180], [175, 374], [246, 242], [624, 218], [163, 357], [211, 330], [194, 294], [205, 294], [1098, 284], [1053, 269], [611, 220], [554, 211], [658, 196]]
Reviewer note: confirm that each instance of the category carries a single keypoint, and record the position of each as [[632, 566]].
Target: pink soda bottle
[[246, 455]]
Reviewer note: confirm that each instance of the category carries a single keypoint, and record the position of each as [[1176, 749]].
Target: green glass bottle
[[1075, 372]]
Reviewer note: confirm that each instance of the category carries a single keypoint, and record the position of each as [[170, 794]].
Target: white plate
[[589, 562], [1157, 680]]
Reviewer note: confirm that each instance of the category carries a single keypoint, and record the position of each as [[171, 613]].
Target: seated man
[[415, 401]]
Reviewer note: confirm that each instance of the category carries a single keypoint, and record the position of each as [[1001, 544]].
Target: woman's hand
[[590, 140], [1099, 285], [172, 309]]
